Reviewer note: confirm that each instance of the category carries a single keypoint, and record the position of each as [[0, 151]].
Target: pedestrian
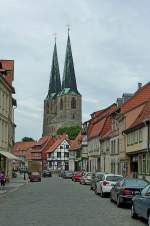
[[2, 179]]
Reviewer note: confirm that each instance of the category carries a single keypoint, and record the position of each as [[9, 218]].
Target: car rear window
[[100, 176], [77, 173], [89, 174], [136, 183], [113, 178], [35, 174]]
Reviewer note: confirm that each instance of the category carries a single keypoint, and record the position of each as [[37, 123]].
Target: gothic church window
[[73, 103], [61, 104], [47, 108]]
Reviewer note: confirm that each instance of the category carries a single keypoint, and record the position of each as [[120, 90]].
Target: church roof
[[54, 84], [69, 80]]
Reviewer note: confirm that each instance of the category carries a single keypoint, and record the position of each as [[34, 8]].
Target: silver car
[[86, 178]]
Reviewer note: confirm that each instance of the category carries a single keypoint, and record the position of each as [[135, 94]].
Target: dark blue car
[[141, 204]]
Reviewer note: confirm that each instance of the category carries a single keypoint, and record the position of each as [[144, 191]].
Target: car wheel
[[149, 219], [118, 201], [133, 213]]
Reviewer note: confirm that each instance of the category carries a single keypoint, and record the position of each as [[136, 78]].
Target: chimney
[[139, 85]]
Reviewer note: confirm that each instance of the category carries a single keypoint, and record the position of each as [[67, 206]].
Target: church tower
[[69, 99], [62, 106], [50, 102]]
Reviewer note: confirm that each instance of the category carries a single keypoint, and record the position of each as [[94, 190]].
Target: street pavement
[[13, 185], [60, 202]]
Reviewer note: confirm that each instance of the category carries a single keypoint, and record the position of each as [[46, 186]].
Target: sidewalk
[[14, 184]]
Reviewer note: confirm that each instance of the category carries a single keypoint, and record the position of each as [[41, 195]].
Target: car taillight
[[105, 183], [127, 192]]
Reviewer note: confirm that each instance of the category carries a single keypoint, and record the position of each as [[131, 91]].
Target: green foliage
[[26, 139], [72, 131]]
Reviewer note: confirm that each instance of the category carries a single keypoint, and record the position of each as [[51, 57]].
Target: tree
[[26, 139], [72, 131]]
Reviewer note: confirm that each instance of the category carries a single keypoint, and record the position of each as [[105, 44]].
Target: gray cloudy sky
[[110, 43]]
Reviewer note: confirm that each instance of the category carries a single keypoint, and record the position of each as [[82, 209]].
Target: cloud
[[110, 44]]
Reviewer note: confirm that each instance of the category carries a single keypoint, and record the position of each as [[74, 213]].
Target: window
[[66, 154], [118, 146], [61, 104], [144, 164], [47, 107], [136, 137], [140, 135], [148, 163], [112, 167], [67, 146], [58, 164], [73, 103], [112, 146], [58, 154]]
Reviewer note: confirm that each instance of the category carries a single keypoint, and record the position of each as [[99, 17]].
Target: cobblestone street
[[58, 202]]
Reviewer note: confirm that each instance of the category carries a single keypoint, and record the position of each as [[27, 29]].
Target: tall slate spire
[[54, 84], [69, 79]]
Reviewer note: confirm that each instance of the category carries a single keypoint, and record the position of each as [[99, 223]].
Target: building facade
[[62, 106], [7, 105], [58, 154]]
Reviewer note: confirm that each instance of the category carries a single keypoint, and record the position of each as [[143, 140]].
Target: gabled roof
[[20, 147], [59, 139], [138, 98], [100, 124], [142, 117], [42, 141], [23, 146], [76, 143], [8, 65]]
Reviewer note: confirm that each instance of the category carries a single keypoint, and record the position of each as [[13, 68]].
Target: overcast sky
[[110, 43]]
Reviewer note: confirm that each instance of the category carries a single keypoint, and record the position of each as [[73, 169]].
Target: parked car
[[95, 178], [47, 173], [35, 176], [105, 185], [67, 175], [141, 204], [125, 189], [86, 178], [76, 176]]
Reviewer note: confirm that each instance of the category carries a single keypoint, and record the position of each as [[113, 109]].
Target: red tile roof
[[143, 116], [22, 146], [100, 123], [76, 143], [57, 142], [139, 97], [8, 65], [96, 129]]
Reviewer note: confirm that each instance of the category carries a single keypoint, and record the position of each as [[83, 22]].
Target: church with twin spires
[[62, 105]]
